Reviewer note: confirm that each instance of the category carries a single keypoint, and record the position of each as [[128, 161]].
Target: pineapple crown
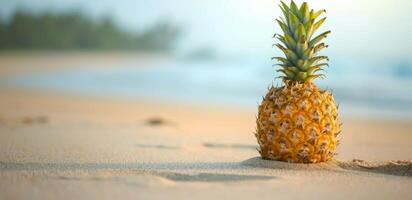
[[301, 62]]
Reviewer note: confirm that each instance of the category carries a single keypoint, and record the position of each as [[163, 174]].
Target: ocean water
[[375, 93]]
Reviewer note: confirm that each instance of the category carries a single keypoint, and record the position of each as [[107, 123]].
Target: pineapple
[[298, 122]]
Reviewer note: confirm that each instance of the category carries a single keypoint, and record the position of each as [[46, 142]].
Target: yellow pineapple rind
[[298, 123]]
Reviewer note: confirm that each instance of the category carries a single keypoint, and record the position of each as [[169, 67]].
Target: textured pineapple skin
[[298, 123]]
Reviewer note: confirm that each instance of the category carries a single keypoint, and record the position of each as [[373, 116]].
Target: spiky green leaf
[[314, 27], [315, 15], [294, 8], [304, 10], [284, 27], [319, 38], [299, 24]]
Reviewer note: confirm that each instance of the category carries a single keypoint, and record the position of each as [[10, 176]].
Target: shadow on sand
[[156, 169], [399, 168]]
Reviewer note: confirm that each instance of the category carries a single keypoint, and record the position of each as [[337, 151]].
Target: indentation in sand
[[158, 146], [399, 168], [211, 177], [232, 146], [158, 121], [167, 177], [25, 120], [12, 166], [35, 120]]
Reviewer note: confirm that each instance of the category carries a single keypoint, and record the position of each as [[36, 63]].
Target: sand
[[60, 146]]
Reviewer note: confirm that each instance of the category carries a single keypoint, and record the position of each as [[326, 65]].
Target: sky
[[363, 31]]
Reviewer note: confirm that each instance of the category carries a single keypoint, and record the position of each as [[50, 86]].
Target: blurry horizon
[[364, 31]]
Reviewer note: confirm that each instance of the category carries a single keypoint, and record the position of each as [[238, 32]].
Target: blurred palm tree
[[73, 30]]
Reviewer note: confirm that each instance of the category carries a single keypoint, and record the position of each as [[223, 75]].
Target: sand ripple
[[399, 168]]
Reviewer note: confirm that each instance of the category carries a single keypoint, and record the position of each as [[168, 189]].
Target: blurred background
[[205, 52]]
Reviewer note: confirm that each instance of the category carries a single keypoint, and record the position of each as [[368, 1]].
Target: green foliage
[[298, 43], [74, 30]]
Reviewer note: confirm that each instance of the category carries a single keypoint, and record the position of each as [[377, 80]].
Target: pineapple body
[[298, 123]]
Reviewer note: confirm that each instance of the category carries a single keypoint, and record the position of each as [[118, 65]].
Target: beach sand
[[61, 146]]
